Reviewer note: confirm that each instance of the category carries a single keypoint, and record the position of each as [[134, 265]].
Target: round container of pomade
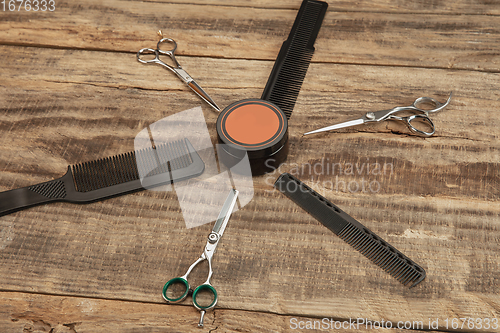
[[254, 127]]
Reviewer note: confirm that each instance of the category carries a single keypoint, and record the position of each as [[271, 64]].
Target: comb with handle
[[109, 177], [290, 67], [351, 231]]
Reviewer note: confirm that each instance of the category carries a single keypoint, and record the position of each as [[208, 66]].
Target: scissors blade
[[338, 126], [184, 76], [200, 92], [225, 213]]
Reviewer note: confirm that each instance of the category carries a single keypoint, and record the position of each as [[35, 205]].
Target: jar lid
[[253, 126]]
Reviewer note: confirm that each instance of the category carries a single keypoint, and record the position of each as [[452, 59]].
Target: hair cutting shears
[[418, 123], [177, 289], [176, 68]]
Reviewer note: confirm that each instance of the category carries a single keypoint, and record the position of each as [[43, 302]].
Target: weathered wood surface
[[70, 97], [80, 315], [397, 39]]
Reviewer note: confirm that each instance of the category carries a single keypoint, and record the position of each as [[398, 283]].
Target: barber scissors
[[421, 117], [176, 68], [181, 283]]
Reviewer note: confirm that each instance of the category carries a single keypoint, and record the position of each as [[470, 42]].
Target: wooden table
[[71, 90]]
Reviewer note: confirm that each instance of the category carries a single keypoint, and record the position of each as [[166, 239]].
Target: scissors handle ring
[[147, 51], [169, 53], [421, 118], [170, 283], [211, 289], [169, 40]]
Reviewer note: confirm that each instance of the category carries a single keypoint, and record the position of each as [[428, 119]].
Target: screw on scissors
[[421, 117], [176, 68], [175, 296]]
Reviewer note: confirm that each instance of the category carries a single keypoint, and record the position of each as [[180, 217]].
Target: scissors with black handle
[[414, 122], [176, 68], [172, 296]]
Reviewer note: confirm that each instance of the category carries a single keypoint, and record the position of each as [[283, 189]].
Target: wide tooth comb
[[112, 176], [351, 231]]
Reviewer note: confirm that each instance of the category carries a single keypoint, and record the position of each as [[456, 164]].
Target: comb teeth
[[123, 168], [176, 153], [292, 63], [351, 231], [383, 255], [105, 172], [288, 84]]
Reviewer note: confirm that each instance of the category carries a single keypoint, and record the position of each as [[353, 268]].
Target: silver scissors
[[422, 117], [177, 289], [176, 68]]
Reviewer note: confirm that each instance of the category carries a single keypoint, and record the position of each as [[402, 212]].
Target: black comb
[[351, 231], [110, 177], [293, 60]]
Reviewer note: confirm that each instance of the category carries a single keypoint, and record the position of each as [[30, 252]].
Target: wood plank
[[337, 91], [412, 7], [56, 314], [439, 205], [423, 40]]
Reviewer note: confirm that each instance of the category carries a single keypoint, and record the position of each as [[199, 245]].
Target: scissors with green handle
[[172, 296], [176, 68], [418, 123]]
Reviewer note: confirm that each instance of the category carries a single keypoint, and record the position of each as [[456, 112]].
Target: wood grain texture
[[56, 314], [391, 6], [420, 40], [126, 248], [71, 90]]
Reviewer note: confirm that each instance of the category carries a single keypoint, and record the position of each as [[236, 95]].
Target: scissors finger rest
[[429, 104]]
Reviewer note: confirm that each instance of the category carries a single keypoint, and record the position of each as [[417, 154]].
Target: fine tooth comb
[[351, 231], [109, 177], [290, 67]]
